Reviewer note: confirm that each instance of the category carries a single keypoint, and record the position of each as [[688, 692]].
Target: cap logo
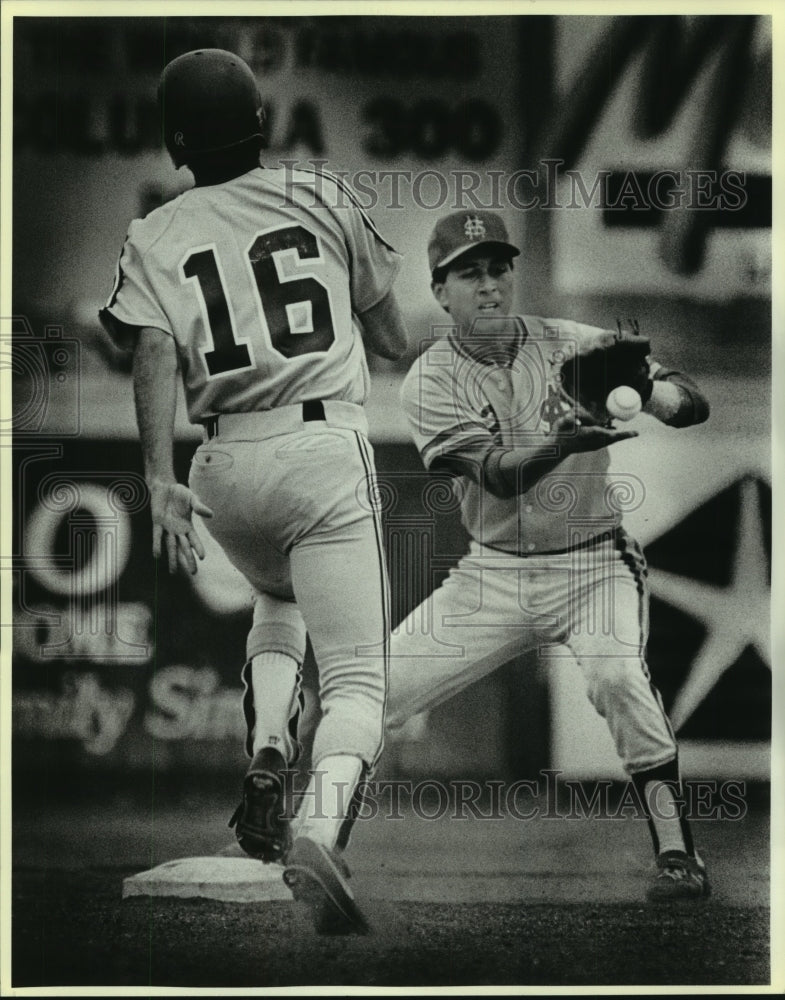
[[474, 228], [179, 139]]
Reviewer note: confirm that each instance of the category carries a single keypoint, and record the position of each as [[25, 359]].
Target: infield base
[[232, 880]]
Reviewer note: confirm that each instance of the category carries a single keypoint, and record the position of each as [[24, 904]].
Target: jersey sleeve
[[440, 423], [133, 302], [374, 264]]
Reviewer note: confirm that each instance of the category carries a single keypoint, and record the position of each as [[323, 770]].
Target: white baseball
[[623, 402]]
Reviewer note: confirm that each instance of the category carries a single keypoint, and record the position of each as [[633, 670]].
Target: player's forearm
[[503, 472], [155, 397], [384, 328], [510, 472], [676, 400]]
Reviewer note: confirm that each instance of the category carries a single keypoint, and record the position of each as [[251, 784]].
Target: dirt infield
[[72, 929], [453, 903]]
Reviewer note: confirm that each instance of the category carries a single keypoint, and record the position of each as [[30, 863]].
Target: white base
[[233, 880]]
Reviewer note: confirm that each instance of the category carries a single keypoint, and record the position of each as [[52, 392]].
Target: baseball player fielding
[[548, 554]]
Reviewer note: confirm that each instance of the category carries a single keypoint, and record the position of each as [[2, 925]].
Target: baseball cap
[[462, 231]]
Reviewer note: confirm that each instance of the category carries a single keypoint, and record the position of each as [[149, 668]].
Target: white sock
[[664, 812], [326, 801], [274, 680]]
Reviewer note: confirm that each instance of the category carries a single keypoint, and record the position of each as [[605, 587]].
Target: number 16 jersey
[[259, 280]]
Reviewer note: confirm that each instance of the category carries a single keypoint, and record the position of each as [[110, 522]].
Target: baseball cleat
[[678, 877], [318, 877], [261, 827]]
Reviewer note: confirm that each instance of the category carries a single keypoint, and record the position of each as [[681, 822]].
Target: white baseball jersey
[[259, 280], [459, 405]]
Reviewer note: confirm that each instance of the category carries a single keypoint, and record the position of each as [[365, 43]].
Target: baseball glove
[[601, 363]]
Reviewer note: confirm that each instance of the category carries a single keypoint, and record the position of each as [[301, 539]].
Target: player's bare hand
[[171, 507], [580, 432]]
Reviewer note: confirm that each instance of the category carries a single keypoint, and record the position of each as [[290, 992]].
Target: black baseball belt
[[313, 409]]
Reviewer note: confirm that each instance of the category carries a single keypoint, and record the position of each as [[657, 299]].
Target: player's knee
[[272, 639], [395, 721], [277, 627], [350, 681], [393, 726], [611, 680], [358, 734], [402, 726]]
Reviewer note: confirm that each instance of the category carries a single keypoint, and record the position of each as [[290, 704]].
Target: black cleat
[[262, 829], [678, 877], [318, 878]]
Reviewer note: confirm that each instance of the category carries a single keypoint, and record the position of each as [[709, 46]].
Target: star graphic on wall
[[736, 616]]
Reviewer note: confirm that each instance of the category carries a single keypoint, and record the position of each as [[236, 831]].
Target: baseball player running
[[262, 288], [549, 561]]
